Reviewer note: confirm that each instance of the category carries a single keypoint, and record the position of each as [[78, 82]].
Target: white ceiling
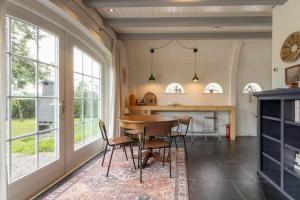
[[129, 20]]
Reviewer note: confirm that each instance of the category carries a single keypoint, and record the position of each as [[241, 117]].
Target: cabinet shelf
[[271, 136], [290, 169], [292, 123], [295, 147], [271, 118], [272, 155]]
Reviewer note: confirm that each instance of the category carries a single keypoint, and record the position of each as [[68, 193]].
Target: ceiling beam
[[192, 36], [168, 3], [189, 21]]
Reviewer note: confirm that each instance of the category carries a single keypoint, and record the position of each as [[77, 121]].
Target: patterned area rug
[[89, 182]]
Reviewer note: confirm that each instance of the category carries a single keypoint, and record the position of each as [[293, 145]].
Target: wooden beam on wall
[[169, 3], [189, 21], [193, 36]]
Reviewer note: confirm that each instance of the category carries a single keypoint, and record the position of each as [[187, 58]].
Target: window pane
[[23, 116], [78, 85], [96, 130], [24, 37], [78, 115], [96, 69], [7, 33], [78, 133], [96, 88], [8, 77], [87, 96], [77, 60], [23, 77], [47, 114], [88, 87], [47, 80], [96, 107], [87, 65], [23, 158], [87, 132], [87, 109], [47, 47], [47, 148]]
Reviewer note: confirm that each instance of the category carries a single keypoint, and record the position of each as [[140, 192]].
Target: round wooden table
[[138, 122]]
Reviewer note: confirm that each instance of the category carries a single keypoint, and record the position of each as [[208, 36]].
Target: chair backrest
[[159, 129], [103, 130], [185, 121]]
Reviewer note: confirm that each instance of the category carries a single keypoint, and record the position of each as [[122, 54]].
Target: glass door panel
[[32, 98]]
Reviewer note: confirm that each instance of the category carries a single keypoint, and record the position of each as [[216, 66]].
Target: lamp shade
[[151, 78], [195, 78]]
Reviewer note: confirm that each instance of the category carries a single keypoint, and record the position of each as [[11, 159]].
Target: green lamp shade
[[151, 78]]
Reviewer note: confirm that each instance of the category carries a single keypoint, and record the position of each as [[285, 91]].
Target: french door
[[54, 100]]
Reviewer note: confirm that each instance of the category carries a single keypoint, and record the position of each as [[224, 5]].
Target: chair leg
[[141, 167], [170, 163], [104, 155], [186, 155], [138, 158], [164, 156], [170, 147], [130, 144], [124, 149], [176, 143], [111, 155]]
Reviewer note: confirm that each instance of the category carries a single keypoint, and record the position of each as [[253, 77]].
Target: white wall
[[285, 21], [176, 64], [124, 78], [254, 66]]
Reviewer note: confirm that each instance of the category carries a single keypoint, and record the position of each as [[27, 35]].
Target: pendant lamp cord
[[195, 51], [182, 45], [152, 52]]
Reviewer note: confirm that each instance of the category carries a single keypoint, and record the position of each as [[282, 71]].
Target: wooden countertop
[[183, 108], [152, 109]]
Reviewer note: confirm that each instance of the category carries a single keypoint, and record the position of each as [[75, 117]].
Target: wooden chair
[[185, 121], [151, 138], [113, 142]]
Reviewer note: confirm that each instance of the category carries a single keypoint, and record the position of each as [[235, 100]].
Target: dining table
[[139, 122]]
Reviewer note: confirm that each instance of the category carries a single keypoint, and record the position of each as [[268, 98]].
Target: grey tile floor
[[226, 171]]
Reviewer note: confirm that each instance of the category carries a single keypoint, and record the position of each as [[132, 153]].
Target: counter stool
[[216, 129]]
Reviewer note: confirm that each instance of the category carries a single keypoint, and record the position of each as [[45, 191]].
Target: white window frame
[[68, 159], [100, 98], [79, 155], [217, 85], [256, 86], [36, 97], [20, 187], [169, 88]]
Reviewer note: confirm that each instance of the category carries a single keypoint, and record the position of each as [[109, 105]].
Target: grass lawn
[[46, 141]]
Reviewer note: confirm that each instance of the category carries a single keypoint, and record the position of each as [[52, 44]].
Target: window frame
[[37, 97], [206, 91], [99, 99], [174, 84], [256, 86]]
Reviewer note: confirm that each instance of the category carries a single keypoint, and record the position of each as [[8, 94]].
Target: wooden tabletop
[[140, 119]]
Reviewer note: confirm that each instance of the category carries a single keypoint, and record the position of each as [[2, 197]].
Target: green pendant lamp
[[151, 78], [195, 78]]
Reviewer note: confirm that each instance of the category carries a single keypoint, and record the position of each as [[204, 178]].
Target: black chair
[[113, 142], [185, 121]]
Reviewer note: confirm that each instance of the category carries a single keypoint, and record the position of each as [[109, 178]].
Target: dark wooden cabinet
[[279, 139]]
